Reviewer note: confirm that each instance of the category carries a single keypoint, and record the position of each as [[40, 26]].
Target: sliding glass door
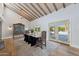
[[59, 31]]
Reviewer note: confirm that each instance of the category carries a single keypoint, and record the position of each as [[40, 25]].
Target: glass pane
[[52, 32], [63, 32]]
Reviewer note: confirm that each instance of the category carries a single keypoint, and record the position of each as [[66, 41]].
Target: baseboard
[[7, 38], [75, 46], [60, 42], [10, 37]]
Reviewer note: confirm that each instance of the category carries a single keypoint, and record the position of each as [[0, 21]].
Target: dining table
[[31, 39]]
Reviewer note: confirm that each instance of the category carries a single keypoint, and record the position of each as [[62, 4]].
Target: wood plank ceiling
[[32, 11]]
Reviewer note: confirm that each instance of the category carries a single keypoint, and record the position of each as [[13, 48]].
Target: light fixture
[[26, 28], [10, 27]]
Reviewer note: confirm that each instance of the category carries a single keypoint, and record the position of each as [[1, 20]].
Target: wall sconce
[[10, 27]]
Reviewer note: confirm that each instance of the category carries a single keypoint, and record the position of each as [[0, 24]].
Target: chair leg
[[41, 45], [45, 43]]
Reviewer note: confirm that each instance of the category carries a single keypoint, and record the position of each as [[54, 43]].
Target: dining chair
[[42, 40]]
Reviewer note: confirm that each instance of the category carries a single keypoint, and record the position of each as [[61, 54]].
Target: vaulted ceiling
[[32, 11]]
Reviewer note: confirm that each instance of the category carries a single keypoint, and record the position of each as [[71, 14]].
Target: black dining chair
[[42, 39], [33, 40], [25, 38]]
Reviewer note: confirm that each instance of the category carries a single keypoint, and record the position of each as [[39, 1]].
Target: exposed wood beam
[[31, 9], [47, 7], [4, 5], [18, 9], [14, 9], [36, 9], [27, 10], [55, 6], [64, 5], [32, 16], [41, 8], [18, 13]]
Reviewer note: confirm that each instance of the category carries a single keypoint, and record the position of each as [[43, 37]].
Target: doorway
[[59, 31], [0, 30]]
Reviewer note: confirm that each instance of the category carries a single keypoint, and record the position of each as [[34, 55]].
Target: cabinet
[[18, 29]]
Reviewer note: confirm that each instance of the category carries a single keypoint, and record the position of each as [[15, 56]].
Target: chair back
[[43, 36]]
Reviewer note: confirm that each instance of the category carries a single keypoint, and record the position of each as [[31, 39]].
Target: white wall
[[10, 18], [0, 8], [70, 13]]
